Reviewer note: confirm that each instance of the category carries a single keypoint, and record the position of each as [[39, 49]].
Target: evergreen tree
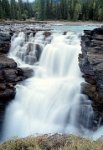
[[52, 9], [1, 10], [6, 8], [42, 9], [13, 9]]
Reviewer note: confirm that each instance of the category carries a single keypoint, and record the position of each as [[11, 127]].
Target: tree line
[[52, 9], [12, 9], [69, 9]]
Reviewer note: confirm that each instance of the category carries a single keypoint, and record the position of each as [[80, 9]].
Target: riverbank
[[53, 142], [51, 22]]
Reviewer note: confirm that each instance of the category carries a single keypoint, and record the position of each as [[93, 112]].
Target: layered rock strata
[[91, 65]]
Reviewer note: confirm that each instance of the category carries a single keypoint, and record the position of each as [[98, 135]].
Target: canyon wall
[[91, 65]]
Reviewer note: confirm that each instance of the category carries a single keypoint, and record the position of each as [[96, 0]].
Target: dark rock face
[[6, 62], [8, 77], [38, 51], [91, 65], [47, 33], [25, 72], [4, 42]]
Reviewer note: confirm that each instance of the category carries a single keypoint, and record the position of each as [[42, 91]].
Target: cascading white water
[[24, 47], [50, 101]]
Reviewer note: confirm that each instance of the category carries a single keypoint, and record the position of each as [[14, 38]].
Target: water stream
[[51, 100]]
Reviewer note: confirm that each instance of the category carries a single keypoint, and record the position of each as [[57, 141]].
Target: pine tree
[[52, 9], [1, 10], [42, 9], [6, 8], [13, 9]]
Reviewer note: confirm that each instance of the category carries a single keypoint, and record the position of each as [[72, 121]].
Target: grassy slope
[[55, 142]]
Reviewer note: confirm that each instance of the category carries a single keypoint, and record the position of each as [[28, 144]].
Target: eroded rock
[[6, 62], [25, 72], [91, 65], [4, 42]]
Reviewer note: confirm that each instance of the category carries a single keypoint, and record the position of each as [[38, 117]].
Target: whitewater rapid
[[50, 101]]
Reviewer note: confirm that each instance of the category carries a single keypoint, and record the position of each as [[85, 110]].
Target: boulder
[[47, 33], [25, 72], [6, 62]]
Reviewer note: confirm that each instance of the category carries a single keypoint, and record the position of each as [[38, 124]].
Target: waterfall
[[51, 100]]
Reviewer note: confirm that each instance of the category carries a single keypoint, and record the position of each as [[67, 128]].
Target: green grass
[[55, 142]]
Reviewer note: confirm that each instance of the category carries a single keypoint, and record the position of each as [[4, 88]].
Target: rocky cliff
[[91, 65]]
